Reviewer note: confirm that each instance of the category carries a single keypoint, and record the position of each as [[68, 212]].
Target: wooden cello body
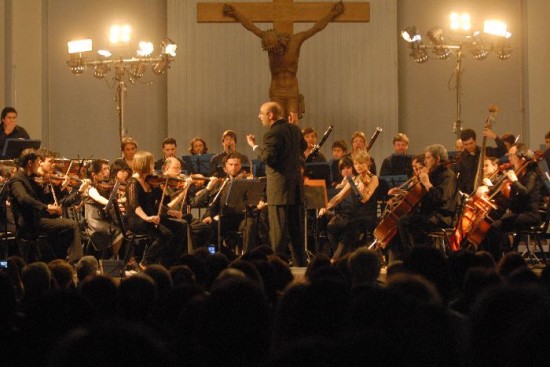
[[396, 208]]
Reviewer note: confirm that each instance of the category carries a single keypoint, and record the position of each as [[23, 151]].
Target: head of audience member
[[400, 143], [36, 279], [415, 287], [434, 156], [171, 167], [318, 262], [197, 146], [86, 267], [9, 119], [137, 296], [169, 147], [345, 166], [510, 262], [508, 139], [490, 166], [339, 149], [99, 170], [418, 163], [358, 142], [468, 137], [269, 113], [310, 136], [29, 161], [47, 158], [162, 278], [128, 147], [144, 163], [364, 267], [361, 161], [62, 274], [459, 146], [120, 170], [232, 164], [229, 141]]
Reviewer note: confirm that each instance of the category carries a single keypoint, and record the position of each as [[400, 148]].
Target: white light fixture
[[79, 46], [120, 34]]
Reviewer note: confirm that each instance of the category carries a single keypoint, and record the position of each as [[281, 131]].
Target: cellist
[[524, 199], [436, 207]]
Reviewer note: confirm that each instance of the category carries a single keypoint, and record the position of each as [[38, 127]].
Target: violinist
[[147, 215], [525, 185], [103, 230], [351, 211], [201, 233], [435, 208], [35, 217]]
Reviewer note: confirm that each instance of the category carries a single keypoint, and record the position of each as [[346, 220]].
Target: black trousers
[[63, 236], [286, 231]]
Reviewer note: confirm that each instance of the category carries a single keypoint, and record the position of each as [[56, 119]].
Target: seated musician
[[339, 150], [436, 206], [310, 136], [103, 228], [164, 226], [169, 149], [201, 233], [352, 212], [359, 143], [34, 216], [128, 147], [197, 146], [399, 163], [232, 219], [229, 143], [522, 206]]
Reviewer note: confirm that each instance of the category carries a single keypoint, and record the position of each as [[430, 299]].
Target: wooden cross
[[283, 13]]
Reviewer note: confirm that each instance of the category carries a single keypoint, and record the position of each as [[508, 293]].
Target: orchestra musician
[[339, 150], [197, 146], [169, 149], [310, 136], [34, 216], [9, 128], [524, 199], [351, 213], [128, 147], [229, 143], [103, 230], [230, 219], [179, 199], [435, 208], [147, 215], [399, 163], [359, 143]]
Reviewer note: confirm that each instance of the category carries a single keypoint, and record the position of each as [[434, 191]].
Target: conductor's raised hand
[[251, 140]]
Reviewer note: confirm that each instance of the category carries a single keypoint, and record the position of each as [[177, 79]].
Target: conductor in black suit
[[282, 151]]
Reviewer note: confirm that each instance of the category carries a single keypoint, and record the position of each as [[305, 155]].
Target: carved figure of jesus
[[284, 51]]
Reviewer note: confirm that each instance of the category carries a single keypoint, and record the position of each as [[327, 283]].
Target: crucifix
[[282, 45]]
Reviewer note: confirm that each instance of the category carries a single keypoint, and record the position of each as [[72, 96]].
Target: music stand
[[14, 147], [315, 197], [242, 194], [198, 163], [394, 180], [318, 171]]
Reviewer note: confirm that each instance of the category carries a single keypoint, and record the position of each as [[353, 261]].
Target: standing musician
[[354, 211], [201, 233], [147, 215], [103, 229], [33, 216], [524, 199], [435, 208]]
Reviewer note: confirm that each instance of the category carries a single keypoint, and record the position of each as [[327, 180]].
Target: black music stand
[[199, 163], [394, 180], [318, 171], [315, 198], [14, 147], [242, 194]]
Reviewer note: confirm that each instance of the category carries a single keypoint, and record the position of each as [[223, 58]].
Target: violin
[[160, 180], [108, 185], [57, 180]]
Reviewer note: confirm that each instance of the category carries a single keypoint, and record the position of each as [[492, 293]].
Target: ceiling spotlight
[[440, 49], [168, 47], [418, 53], [100, 70], [479, 50], [145, 49], [104, 53], [79, 46], [161, 66], [410, 34], [76, 64], [137, 69]]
